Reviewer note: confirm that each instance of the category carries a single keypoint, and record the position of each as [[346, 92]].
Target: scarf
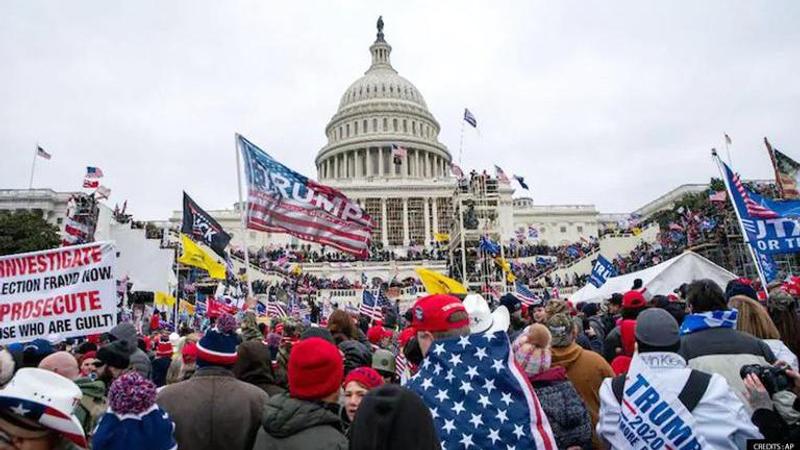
[[712, 319]]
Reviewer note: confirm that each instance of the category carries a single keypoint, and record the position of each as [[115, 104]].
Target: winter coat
[[139, 361], [159, 369], [292, 424], [564, 408], [254, 366], [356, 354], [586, 370], [782, 352], [93, 403], [612, 342], [720, 417], [724, 351], [213, 410]]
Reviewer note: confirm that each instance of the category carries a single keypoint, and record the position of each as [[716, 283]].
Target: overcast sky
[[610, 103]]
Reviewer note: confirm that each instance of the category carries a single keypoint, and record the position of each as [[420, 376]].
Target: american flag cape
[[479, 397], [284, 201]]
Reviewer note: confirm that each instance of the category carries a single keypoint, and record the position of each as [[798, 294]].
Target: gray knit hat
[[656, 327]]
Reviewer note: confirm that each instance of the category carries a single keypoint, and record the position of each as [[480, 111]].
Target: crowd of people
[[599, 371]]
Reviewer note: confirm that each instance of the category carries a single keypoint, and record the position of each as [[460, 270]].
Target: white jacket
[[782, 352], [720, 417]]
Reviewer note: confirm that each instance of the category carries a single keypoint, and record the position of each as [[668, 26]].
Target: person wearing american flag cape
[[477, 395]]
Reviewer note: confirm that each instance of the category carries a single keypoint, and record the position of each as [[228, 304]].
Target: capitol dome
[[380, 110]]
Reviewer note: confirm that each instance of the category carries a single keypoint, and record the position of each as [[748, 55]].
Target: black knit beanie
[[393, 418]]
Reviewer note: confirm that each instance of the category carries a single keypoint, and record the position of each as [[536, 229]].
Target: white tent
[[660, 279]]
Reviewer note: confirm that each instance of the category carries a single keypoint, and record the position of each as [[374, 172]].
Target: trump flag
[[284, 201]]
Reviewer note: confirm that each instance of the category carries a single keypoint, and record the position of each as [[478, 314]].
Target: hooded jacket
[[564, 408], [586, 370], [720, 417], [356, 355], [254, 366], [93, 403], [213, 410], [293, 424], [139, 361]]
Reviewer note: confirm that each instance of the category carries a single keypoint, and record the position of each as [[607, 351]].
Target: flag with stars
[[478, 396]]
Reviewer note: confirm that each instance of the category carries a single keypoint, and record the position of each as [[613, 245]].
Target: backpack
[[690, 395]]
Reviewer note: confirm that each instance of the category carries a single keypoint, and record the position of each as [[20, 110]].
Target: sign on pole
[[69, 292]]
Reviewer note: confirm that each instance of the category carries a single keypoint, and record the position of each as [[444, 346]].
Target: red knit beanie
[[316, 369], [367, 377]]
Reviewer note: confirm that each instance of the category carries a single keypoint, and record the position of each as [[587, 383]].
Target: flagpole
[[461, 144], [745, 237], [242, 225], [33, 166]]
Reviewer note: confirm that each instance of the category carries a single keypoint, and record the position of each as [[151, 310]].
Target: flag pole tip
[[713, 152]]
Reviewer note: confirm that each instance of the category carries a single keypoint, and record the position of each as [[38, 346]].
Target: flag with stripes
[[40, 152], [525, 295], [93, 172], [401, 366], [284, 201], [754, 209], [369, 306], [90, 183], [457, 171], [470, 119], [276, 310], [398, 151], [501, 176]]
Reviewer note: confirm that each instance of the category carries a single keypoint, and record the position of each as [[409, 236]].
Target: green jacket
[[292, 424], [92, 404]]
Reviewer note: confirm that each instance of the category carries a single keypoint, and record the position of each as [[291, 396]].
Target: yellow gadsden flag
[[195, 256], [186, 306], [436, 283], [164, 299], [441, 237]]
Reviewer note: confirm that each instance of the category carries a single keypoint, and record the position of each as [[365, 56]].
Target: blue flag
[[521, 182], [602, 270], [489, 246], [771, 226], [478, 397]]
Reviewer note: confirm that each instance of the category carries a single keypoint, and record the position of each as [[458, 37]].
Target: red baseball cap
[[434, 312], [633, 300], [406, 336]]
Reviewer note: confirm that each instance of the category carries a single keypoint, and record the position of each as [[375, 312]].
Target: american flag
[[501, 176], [525, 295], [457, 171], [383, 300], [300, 309], [754, 209], [93, 172], [398, 151], [282, 200], [40, 152], [90, 183], [401, 366], [478, 397], [275, 309], [369, 306], [720, 196], [470, 119]]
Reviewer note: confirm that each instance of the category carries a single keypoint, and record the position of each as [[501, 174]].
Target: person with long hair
[[755, 321], [782, 308]]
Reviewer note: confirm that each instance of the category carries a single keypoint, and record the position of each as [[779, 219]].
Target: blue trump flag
[[478, 396], [771, 226], [602, 270]]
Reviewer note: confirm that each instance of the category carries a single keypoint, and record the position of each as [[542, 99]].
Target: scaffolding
[[476, 205]]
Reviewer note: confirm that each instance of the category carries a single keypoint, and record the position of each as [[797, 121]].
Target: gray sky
[[611, 103]]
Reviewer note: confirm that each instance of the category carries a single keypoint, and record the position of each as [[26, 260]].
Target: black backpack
[[690, 395]]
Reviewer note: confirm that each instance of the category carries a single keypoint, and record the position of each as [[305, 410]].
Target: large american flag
[[501, 175], [282, 200], [369, 306], [478, 396]]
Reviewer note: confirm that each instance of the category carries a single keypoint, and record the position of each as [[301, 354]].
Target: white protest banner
[[69, 291]]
